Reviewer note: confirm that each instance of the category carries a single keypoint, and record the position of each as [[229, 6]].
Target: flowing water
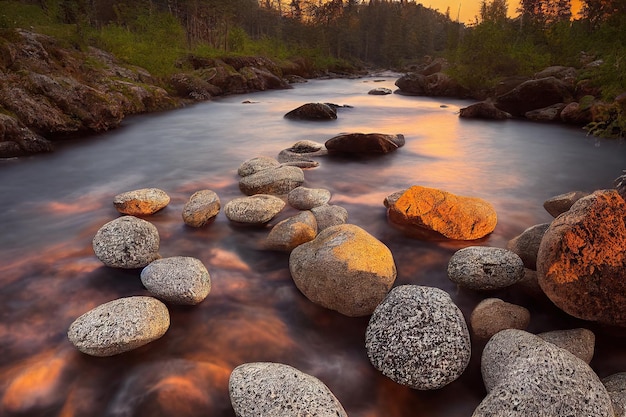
[[53, 204]]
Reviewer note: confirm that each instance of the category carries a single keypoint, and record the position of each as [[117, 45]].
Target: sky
[[469, 8]]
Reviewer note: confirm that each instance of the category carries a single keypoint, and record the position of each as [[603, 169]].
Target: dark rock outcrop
[[484, 110], [313, 111], [364, 143], [534, 94]]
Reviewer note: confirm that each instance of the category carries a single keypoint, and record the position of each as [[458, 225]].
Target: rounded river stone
[[141, 202], [485, 268], [127, 242], [178, 280]]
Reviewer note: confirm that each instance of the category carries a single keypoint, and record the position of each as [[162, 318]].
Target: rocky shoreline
[[416, 335]]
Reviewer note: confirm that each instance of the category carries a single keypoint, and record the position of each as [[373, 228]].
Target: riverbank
[[51, 92]]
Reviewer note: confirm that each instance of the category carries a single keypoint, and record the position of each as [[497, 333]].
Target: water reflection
[[56, 203]]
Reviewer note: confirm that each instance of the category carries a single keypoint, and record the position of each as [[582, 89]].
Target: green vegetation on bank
[[344, 34]]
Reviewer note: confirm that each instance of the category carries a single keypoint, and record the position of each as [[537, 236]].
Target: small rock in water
[[127, 242], [119, 326], [417, 337], [178, 280], [485, 268], [313, 111], [365, 143], [276, 181], [526, 245], [328, 215], [277, 390], [257, 209], [141, 202], [254, 165], [563, 202], [303, 198], [380, 91], [292, 232], [493, 315], [201, 208]]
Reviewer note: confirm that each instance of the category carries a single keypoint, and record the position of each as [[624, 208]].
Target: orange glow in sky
[[467, 10]]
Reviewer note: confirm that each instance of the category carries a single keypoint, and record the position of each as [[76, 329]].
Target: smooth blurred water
[[52, 205]]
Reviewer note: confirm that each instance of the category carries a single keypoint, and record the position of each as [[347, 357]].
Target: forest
[[344, 35]]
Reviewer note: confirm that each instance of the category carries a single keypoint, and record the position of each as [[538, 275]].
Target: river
[[53, 204]]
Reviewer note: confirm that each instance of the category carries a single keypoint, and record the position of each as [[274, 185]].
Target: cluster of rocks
[[555, 94]]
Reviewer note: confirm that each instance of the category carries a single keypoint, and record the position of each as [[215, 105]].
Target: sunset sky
[[469, 8]]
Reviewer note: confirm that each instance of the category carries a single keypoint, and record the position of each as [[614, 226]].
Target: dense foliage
[[339, 34]]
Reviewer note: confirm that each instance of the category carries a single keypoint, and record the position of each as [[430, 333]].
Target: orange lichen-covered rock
[[581, 263], [439, 213]]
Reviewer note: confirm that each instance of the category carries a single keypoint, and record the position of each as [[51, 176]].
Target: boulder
[[292, 232], [18, 140], [561, 203], [547, 114], [143, 202], [119, 326], [579, 342], [190, 85], [485, 268], [278, 390], [177, 280], [581, 263], [534, 94], [328, 215], [616, 387], [127, 242], [493, 315], [526, 245], [509, 83], [436, 84], [576, 114], [417, 337], [484, 110], [527, 376], [364, 143], [257, 164], [344, 269], [432, 213], [303, 198], [312, 111], [255, 210], [380, 91], [275, 181], [201, 208]]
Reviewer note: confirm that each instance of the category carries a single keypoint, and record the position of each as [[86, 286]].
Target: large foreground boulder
[[277, 390], [344, 269], [119, 326], [581, 262], [364, 143], [432, 213], [127, 242], [417, 337], [527, 376]]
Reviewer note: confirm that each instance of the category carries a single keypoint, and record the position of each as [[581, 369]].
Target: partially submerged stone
[[526, 244], [313, 111], [201, 208], [256, 210], [417, 337], [119, 326], [365, 143], [277, 390], [303, 198], [559, 204], [485, 268], [292, 232], [328, 215], [178, 280], [127, 242], [141, 202], [434, 213], [275, 180]]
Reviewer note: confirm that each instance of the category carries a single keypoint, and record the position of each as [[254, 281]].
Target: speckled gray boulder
[[127, 242], [277, 181], [485, 268], [493, 315], [527, 376], [292, 232], [257, 209], [303, 198], [119, 326], [141, 202], [329, 215], [563, 202], [616, 386], [201, 208], [254, 165], [418, 337], [276, 390], [344, 269], [526, 245], [178, 280], [580, 342]]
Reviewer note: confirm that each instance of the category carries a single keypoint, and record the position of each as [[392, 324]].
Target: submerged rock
[[417, 337], [119, 326], [278, 390]]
